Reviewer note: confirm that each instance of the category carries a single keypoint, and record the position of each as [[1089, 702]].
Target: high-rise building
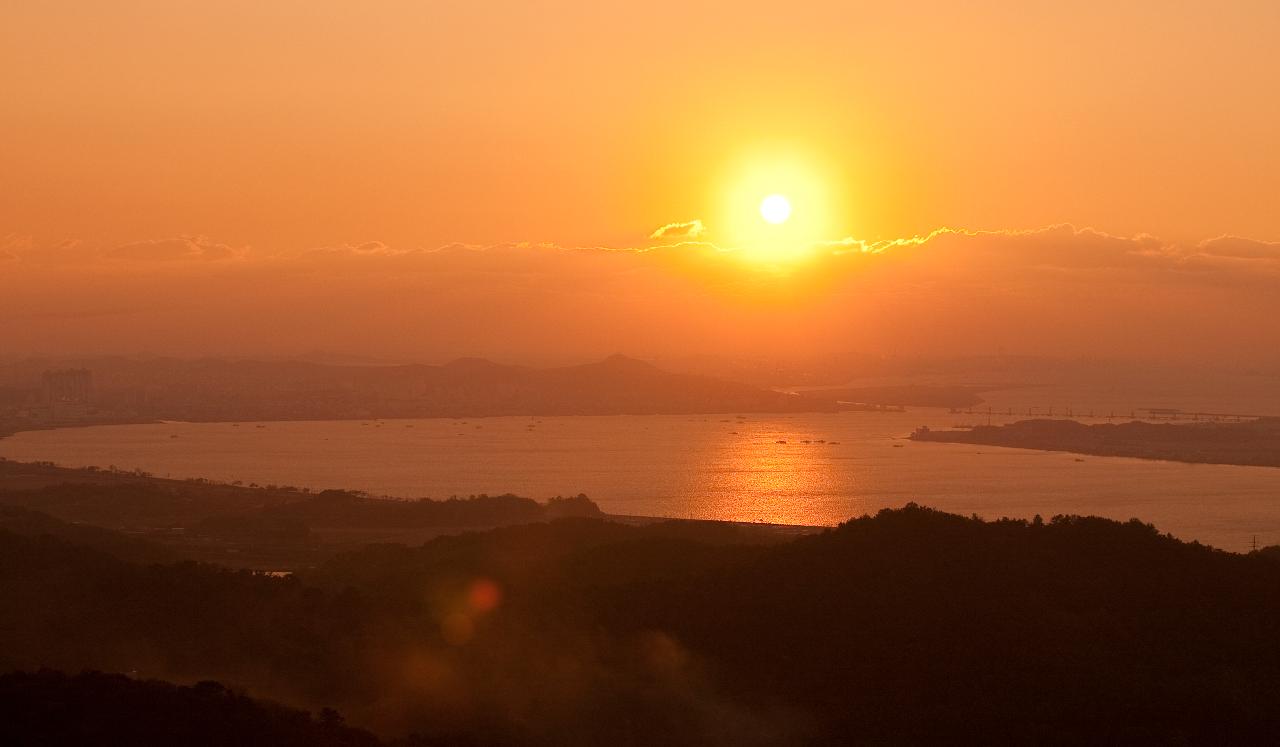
[[67, 386]]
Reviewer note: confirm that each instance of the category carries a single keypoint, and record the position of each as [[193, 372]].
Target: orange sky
[[173, 166]]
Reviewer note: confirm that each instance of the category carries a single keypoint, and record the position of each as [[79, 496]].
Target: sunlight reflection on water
[[831, 467]]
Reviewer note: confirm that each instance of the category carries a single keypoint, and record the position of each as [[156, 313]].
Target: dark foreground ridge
[[105, 710], [912, 626], [1253, 443]]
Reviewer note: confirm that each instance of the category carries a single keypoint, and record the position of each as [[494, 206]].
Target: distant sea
[[771, 468]]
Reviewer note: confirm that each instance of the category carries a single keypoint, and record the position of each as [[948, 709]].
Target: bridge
[[1139, 413]]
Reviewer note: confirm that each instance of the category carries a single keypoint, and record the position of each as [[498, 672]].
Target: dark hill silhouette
[[245, 527], [110, 710], [909, 627], [19, 520]]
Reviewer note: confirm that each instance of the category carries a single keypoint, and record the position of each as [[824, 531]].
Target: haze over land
[[1146, 300], [133, 390]]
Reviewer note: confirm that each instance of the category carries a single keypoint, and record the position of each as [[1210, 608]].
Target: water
[[711, 467]]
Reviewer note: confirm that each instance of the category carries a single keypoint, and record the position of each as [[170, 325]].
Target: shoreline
[[15, 426], [1246, 444], [204, 498]]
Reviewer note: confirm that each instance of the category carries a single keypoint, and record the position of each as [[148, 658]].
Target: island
[[1254, 443]]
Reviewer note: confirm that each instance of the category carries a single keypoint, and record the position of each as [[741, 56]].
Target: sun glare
[[775, 209], [778, 206]]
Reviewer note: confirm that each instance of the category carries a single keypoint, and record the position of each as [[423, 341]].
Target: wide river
[[712, 467]]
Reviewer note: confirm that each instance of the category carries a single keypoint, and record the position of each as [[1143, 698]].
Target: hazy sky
[[251, 176]]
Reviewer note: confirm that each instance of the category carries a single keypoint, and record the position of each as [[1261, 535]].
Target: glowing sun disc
[[775, 209]]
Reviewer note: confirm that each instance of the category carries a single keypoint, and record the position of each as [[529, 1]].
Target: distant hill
[[217, 390]]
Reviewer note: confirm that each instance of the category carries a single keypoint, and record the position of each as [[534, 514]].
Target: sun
[[775, 209], [778, 205]]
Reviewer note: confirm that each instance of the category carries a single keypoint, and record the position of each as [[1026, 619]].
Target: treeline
[[912, 626], [142, 502], [270, 527], [345, 508]]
